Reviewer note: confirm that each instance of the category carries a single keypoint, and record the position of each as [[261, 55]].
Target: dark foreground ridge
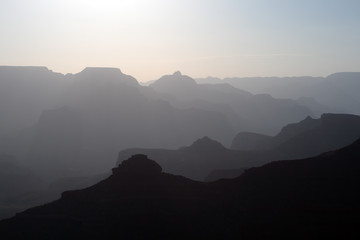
[[313, 198]]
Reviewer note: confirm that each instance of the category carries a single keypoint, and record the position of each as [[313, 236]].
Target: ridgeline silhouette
[[61, 132], [306, 138], [295, 199], [337, 93]]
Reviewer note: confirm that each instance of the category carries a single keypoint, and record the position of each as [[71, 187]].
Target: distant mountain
[[314, 197], [195, 161], [335, 93], [97, 76], [251, 110], [25, 92], [76, 119], [255, 141], [304, 139], [177, 84], [91, 115], [317, 108], [68, 126]]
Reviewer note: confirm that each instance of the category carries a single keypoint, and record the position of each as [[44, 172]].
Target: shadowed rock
[[282, 200], [138, 164]]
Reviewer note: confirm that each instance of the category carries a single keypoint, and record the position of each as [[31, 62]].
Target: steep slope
[[296, 199]]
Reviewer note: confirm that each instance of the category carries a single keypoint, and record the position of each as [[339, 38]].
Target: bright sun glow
[[199, 37], [125, 7]]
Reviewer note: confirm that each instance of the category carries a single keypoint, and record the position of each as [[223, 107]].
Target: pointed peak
[[206, 143], [205, 139], [308, 118], [174, 82], [138, 164], [177, 73]]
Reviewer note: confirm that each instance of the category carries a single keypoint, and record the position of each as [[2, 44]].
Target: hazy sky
[[147, 39]]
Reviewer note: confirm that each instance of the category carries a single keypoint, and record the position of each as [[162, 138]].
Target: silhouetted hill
[[69, 126], [203, 145], [174, 83], [94, 114], [25, 92], [335, 131], [251, 110], [90, 115], [306, 138], [126, 204], [255, 141], [195, 161], [335, 93], [327, 168], [61, 125], [300, 198], [295, 199], [185, 88], [97, 76]]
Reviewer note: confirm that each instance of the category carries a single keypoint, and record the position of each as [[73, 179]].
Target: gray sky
[[148, 39]]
